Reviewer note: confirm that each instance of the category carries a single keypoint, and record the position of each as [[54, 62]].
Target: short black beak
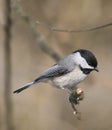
[[96, 69]]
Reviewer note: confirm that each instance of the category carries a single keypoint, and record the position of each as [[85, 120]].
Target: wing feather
[[52, 72], [63, 67]]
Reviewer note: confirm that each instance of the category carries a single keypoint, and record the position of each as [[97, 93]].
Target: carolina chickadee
[[68, 72]]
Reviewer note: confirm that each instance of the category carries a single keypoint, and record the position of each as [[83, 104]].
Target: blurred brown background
[[44, 107]]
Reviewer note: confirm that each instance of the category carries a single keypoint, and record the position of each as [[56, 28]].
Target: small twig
[[76, 112], [81, 30], [56, 29]]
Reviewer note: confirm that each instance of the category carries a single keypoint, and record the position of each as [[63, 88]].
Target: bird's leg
[[74, 98]]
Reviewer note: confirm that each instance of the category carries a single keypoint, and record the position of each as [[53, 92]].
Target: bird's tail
[[27, 85], [24, 87]]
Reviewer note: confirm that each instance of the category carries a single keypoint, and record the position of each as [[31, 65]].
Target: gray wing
[[63, 67], [54, 71]]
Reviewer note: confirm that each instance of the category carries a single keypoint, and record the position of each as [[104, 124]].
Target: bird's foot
[[75, 97]]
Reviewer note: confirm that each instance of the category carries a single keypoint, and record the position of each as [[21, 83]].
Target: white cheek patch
[[81, 61]]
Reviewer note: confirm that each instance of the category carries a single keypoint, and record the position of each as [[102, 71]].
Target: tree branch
[[39, 38], [7, 42]]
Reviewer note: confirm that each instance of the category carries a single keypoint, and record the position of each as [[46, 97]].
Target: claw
[[74, 98]]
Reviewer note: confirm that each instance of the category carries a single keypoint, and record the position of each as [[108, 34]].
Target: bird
[[68, 72]]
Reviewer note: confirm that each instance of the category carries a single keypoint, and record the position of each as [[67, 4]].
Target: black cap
[[88, 56]]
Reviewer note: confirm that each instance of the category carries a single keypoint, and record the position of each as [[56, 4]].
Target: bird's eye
[[85, 70]]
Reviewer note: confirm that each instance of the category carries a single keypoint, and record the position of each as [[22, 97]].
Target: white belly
[[69, 80]]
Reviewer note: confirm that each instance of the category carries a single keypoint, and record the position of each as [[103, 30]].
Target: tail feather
[[24, 87], [38, 80]]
